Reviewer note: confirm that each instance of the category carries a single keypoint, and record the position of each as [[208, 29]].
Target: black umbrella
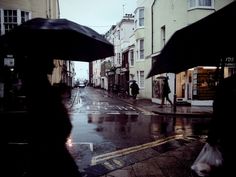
[[132, 80], [207, 42], [57, 39]]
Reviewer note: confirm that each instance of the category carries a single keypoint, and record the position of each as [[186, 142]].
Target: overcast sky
[[99, 15]]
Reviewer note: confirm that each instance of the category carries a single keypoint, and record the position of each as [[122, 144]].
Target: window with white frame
[[24, 16], [139, 17], [141, 78], [131, 57], [163, 35], [10, 18], [118, 59], [141, 48], [201, 4]]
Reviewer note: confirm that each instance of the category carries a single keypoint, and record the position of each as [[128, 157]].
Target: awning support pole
[[174, 104]]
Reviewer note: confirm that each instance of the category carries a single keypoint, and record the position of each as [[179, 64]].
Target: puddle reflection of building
[[121, 126], [183, 126], [162, 126]]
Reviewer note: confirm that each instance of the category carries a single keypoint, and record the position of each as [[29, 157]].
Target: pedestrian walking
[[165, 92], [49, 123], [134, 89]]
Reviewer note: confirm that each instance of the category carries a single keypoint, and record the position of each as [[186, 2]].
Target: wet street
[[104, 124]]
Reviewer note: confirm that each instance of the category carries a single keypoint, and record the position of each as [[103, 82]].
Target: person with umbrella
[[134, 89], [165, 92], [49, 122]]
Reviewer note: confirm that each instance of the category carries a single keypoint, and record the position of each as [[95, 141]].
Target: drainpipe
[[58, 8], [152, 32], [152, 23]]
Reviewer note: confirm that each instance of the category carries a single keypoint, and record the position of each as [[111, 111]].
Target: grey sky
[[99, 15]]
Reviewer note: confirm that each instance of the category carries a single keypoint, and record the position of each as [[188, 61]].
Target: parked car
[[81, 85]]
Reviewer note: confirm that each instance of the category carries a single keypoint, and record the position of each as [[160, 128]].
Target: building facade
[[154, 22], [117, 67], [196, 85]]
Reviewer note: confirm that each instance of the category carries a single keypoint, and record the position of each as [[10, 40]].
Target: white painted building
[[96, 73], [168, 16], [119, 35]]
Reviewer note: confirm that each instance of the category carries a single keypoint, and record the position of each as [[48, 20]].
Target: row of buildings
[[138, 39]]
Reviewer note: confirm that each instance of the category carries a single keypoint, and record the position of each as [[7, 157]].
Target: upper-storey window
[[201, 4], [140, 51], [139, 17], [131, 57], [24, 16], [11, 18], [163, 36]]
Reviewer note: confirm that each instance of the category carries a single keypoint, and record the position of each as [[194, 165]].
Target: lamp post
[[174, 94]]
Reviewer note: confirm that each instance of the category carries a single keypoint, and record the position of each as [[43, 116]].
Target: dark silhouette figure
[[134, 89], [165, 92], [49, 123], [222, 128]]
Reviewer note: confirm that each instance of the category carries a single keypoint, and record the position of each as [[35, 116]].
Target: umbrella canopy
[[204, 43], [57, 39], [132, 80]]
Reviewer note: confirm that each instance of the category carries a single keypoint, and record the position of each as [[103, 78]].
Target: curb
[[169, 113], [140, 156], [183, 114]]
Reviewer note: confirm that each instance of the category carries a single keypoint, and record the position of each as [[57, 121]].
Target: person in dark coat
[[165, 92], [49, 122], [221, 127], [134, 89]]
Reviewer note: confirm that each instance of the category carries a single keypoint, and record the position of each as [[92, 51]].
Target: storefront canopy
[[207, 42]]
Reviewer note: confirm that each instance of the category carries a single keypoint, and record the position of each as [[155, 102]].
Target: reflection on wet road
[[102, 125]]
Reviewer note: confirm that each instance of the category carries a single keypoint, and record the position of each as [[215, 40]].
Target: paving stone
[[150, 153], [170, 166], [185, 157], [164, 147], [109, 165], [96, 170], [147, 168], [121, 173], [150, 163], [129, 159], [118, 163]]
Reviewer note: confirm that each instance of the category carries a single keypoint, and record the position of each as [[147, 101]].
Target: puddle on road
[[112, 132]]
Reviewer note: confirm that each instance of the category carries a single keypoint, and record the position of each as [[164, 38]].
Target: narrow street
[[104, 125]]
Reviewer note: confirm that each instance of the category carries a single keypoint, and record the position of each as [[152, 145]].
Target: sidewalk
[[148, 105], [172, 157], [175, 161], [193, 111]]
